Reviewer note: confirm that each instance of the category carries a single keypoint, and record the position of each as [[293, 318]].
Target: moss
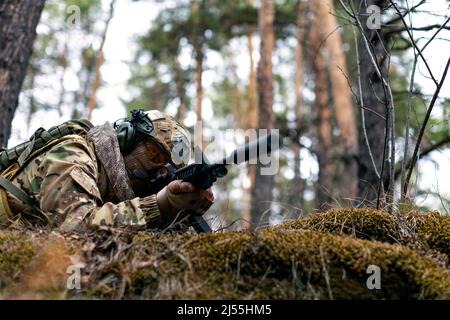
[[428, 230], [279, 264], [369, 224], [16, 251], [433, 229], [45, 277], [322, 256], [33, 264]]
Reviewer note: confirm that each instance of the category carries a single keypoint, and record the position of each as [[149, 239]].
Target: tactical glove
[[179, 195]]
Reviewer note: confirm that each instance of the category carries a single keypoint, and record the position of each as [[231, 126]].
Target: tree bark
[[157, 92], [373, 98], [252, 93], [32, 108], [179, 79], [299, 69], [198, 81], [324, 194], [84, 75], [343, 104], [252, 123], [262, 190], [296, 197], [63, 63], [99, 59], [18, 22], [197, 41]]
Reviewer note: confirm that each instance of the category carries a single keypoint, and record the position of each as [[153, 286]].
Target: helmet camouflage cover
[[172, 136]]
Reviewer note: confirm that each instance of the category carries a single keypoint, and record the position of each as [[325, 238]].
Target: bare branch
[[389, 105], [413, 42], [422, 129], [391, 113], [99, 60], [408, 119], [347, 10], [361, 102], [404, 14], [388, 101], [435, 34], [397, 29], [426, 151]]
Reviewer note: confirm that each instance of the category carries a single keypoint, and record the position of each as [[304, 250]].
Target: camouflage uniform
[[71, 187]]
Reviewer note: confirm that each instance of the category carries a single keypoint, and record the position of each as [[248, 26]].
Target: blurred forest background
[[363, 111]]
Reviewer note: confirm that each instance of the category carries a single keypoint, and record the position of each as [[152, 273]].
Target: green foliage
[[210, 28], [53, 54], [160, 79]]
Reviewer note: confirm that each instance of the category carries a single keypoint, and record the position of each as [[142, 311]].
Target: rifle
[[203, 175]]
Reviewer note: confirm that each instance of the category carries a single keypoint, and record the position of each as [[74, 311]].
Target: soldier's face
[[144, 159]]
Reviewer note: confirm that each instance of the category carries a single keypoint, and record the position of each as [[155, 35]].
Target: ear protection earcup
[[126, 136]]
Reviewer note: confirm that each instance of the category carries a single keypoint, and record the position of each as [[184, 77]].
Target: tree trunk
[[299, 69], [84, 75], [198, 81], [324, 192], [18, 21], [252, 94], [252, 123], [63, 63], [225, 206], [157, 93], [198, 134], [99, 59], [197, 41], [343, 105], [296, 197], [32, 108], [262, 190], [373, 99], [179, 79]]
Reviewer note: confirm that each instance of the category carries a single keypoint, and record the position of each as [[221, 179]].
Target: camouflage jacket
[[71, 187]]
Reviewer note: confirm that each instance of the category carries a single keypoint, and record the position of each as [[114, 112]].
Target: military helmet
[[165, 131]]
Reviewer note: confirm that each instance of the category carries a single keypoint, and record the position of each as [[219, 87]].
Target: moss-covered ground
[[327, 255]]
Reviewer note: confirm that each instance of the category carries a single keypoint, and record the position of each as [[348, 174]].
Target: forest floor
[[330, 255]]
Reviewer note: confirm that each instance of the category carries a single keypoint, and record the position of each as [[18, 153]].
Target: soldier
[[75, 176]]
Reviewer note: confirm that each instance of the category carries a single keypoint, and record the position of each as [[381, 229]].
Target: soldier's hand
[[180, 195]]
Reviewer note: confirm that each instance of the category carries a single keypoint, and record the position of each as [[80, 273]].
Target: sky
[[132, 19]]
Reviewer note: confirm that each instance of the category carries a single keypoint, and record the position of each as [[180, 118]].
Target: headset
[[128, 130]]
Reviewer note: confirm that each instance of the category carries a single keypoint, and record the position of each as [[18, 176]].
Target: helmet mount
[[127, 129]]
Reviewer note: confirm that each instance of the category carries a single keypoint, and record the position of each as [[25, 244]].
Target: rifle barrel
[[251, 149]]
